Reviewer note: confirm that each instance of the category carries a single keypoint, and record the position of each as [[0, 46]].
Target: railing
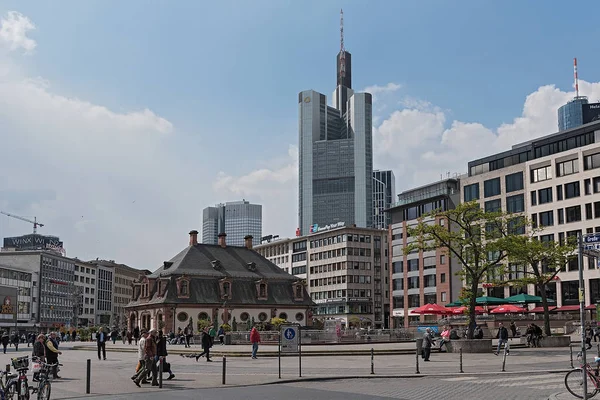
[[325, 337]]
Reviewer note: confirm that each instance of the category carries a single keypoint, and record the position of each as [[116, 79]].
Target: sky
[[121, 121]]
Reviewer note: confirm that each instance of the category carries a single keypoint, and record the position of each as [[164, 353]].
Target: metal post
[[461, 364], [372, 362], [417, 363], [582, 308], [160, 372], [598, 352], [279, 353], [504, 359], [224, 368], [571, 351], [299, 352], [88, 377], [7, 369]]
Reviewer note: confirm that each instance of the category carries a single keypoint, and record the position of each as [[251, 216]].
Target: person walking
[[206, 345], [502, 337], [513, 329], [39, 352], [74, 335], [213, 334], [255, 340], [114, 335], [52, 353], [101, 338], [161, 352], [5, 340], [136, 334], [141, 354], [129, 337], [149, 360], [15, 341], [428, 343], [221, 335], [445, 338], [186, 336], [589, 333], [124, 335]]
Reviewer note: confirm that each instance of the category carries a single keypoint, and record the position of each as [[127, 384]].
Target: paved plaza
[[538, 372]]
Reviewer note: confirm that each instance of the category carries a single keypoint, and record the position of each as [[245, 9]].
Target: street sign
[[289, 339], [591, 238]]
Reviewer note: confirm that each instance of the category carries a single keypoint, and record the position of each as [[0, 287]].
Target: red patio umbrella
[[464, 309], [431, 309], [507, 309]]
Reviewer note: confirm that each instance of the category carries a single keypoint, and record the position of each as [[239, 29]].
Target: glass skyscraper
[[571, 114], [335, 155], [237, 219], [384, 194]]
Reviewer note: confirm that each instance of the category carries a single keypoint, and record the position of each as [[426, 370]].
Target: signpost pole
[[300, 352], [279, 354], [582, 308]]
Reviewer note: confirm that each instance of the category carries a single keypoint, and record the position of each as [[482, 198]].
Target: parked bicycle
[[574, 379], [4, 393], [17, 386]]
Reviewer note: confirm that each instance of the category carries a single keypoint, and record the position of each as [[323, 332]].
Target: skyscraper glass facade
[[237, 219], [384, 194], [571, 114]]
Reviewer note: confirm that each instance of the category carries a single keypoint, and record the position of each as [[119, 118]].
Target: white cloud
[[376, 89], [14, 28]]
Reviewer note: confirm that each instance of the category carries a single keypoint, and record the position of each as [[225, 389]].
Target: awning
[[540, 310], [567, 308], [591, 307]]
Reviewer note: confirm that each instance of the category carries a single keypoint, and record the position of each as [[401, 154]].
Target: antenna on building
[[576, 78], [342, 48]]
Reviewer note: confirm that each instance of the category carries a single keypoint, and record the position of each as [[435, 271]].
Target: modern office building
[[52, 285], [18, 299], [346, 270], [335, 154], [570, 115], [85, 293], [33, 242], [420, 278], [237, 219], [553, 180], [384, 195]]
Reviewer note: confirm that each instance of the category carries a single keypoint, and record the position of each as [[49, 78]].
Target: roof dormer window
[[251, 266], [216, 264], [298, 288], [261, 290], [183, 287], [225, 286]]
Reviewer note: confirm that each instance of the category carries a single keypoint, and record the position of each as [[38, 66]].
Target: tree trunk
[[472, 304], [542, 289]]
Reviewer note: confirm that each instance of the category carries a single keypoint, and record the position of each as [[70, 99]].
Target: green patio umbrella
[[524, 298], [489, 300], [454, 304]]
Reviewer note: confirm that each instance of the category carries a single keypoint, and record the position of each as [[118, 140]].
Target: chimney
[[222, 237], [248, 241], [193, 238]]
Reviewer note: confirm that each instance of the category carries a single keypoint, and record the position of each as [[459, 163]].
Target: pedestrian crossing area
[[542, 382]]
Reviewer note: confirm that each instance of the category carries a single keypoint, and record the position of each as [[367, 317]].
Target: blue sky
[[226, 75]]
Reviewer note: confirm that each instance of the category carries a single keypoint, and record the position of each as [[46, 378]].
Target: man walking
[[255, 340], [427, 344], [5, 340], [502, 337], [101, 338], [206, 345], [149, 360], [161, 351]]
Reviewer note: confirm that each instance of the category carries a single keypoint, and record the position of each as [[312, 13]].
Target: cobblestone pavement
[[111, 377]]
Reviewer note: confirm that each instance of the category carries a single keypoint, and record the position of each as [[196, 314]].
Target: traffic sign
[[289, 339]]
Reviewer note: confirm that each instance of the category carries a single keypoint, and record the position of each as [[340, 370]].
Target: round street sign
[[290, 333]]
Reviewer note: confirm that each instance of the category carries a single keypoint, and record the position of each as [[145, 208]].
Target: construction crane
[[34, 222]]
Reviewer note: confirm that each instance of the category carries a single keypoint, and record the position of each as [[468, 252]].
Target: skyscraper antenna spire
[[574, 76], [342, 49]]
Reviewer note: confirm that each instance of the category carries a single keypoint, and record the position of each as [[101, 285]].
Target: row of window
[[568, 214], [414, 300], [342, 294], [328, 241], [85, 270], [514, 204], [413, 264], [337, 280], [492, 187]]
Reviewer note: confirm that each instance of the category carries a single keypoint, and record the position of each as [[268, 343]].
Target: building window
[[547, 218], [442, 278], [541, 174], [493, 206], [244, 316], [559, 193], [572, 190], [299, 316], [573, 214], [442, 259], [587, 185], [185, 288], [491, 187], [514, 182], [545, 195], [533, 196], [588, 211], [516, 226], [444, 297], [413, 282], [515, 204], [561, 216], [567, 167], [262, 317], [596, 184], [592, 161], [413, 265], [182, 317], [597, 209], [471, 192]]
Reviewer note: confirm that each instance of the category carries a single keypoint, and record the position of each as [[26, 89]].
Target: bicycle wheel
[[11, 391], [574, 384], [44, 390]]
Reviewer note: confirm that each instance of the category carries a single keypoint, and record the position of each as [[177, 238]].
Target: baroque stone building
[[217, 282]]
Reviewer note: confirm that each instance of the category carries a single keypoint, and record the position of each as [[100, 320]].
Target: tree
[[477, 239], [543, 261]]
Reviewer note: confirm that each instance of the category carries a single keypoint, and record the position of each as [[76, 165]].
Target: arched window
[[185, 288], [226, 288], [263, 290], [299, 292]]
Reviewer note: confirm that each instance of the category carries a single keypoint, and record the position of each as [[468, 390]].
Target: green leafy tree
[[543, 261], [203, 323], [477, 239], [277, 322]]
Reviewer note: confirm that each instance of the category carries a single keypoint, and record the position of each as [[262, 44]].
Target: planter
[[556, 341], [470, 346]]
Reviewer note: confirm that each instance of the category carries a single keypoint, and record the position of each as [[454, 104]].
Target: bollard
[[460, 357], [598, 353], [571, 351], [161, 368], [372, 362], [224, 368], [417, 363], [88, 376], [504, 359]]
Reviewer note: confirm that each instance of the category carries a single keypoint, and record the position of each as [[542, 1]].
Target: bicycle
[[18, 385], [4, 393], [577, 375], [44, 386]]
